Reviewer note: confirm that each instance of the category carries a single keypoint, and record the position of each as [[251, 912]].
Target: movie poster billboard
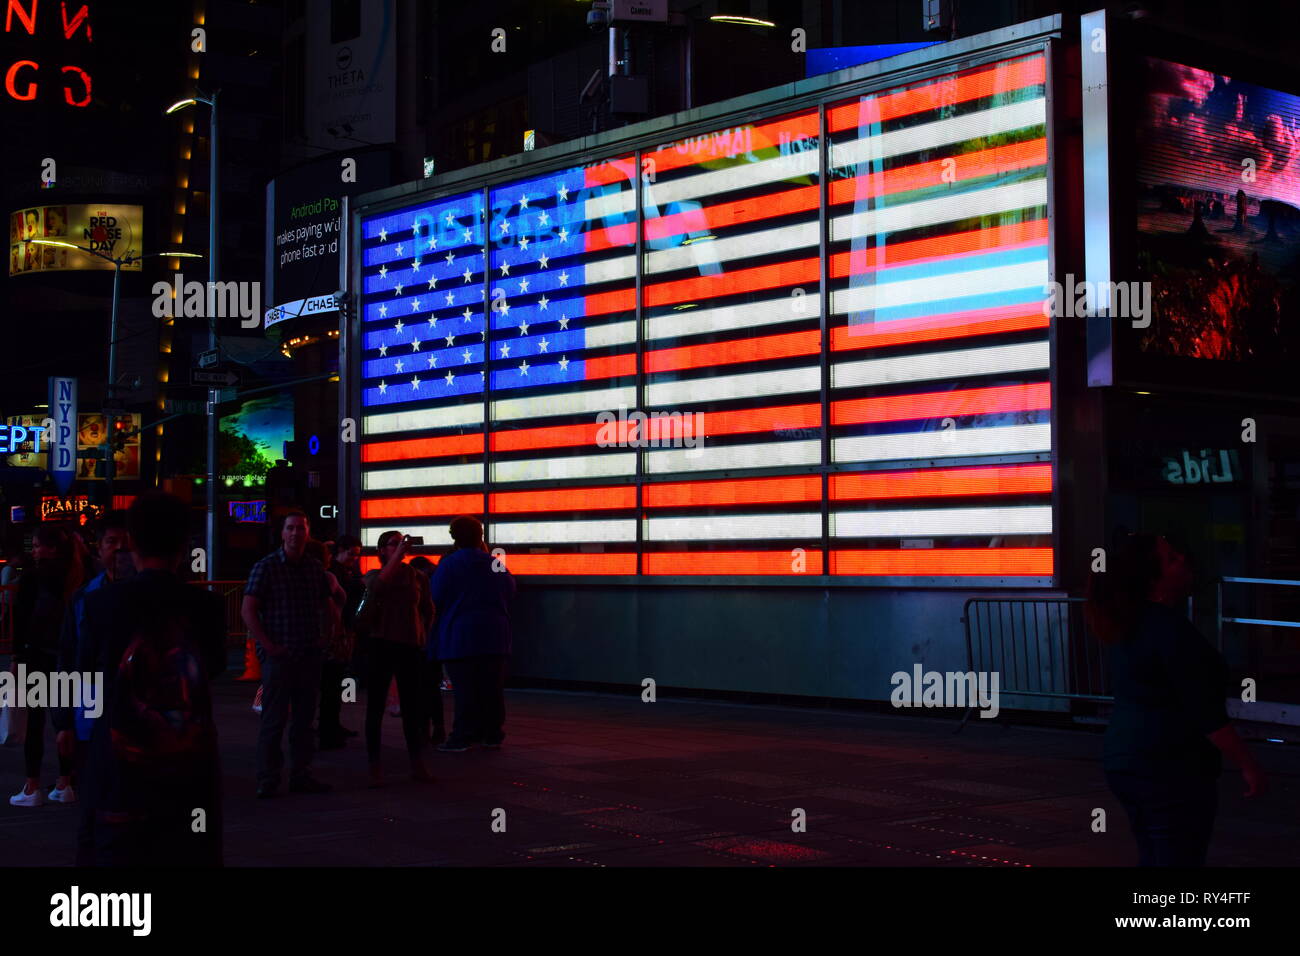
[[113, 229]]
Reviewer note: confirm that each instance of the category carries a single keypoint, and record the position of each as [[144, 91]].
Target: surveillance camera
[[598, 17]]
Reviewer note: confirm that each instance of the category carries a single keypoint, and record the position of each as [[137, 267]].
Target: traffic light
[[120, 433]]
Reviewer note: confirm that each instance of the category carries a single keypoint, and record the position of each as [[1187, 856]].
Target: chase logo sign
[[316, 305]]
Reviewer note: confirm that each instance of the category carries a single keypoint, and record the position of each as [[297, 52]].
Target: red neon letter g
[[67, 90], [12, 75]]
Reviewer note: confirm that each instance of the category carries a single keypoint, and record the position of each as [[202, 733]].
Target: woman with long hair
[[1170, 725], [43, 594]]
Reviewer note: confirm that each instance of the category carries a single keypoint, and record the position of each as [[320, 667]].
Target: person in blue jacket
[[472, 591], [73, 726]]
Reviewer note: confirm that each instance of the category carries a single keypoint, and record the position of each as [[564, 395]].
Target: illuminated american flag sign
[[564, 350], [852, 376], [732, 295], [422, 341], [938, 213]]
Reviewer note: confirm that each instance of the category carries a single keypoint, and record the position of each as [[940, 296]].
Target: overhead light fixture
[[741, 21], [51, 242], [180, 105]]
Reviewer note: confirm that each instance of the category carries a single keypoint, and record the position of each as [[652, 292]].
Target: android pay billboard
[[303, 226]]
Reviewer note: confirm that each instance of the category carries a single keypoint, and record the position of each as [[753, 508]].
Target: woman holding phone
[[395, 618]]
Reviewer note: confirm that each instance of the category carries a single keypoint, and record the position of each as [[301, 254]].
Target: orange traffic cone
[[252, 667]]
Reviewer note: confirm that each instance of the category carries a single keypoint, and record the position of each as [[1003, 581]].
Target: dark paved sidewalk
[[594, 780]]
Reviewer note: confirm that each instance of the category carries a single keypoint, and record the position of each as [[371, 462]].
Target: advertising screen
[[1218, 168], [114, 230], [508, 369], [252, 438], [303, 214]]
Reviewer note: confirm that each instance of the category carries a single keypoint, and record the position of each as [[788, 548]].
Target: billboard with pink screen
[[1218, 237]]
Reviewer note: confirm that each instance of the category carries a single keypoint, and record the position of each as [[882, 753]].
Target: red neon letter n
[[27, 17], [71, 28]]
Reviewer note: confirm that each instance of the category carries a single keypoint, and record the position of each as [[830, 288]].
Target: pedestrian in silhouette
[[44, 591], [472, 592], [153, 767], [1170, 724], [399, 613], [287, 606]]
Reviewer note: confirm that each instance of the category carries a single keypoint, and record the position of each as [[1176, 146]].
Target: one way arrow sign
[[223, 377]]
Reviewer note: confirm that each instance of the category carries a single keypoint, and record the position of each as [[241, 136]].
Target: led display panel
[[700, 358], [422, 372], [732, 309], [563, 362], [938, 249], [1218, 217]]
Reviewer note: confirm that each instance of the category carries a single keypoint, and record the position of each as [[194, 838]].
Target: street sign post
[[216, 377], [182, 406], [208, 359]]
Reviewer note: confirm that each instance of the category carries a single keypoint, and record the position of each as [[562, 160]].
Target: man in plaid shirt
[[289, 612]]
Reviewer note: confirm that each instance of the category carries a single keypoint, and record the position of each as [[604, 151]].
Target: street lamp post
[[106, 449], [214, 256]]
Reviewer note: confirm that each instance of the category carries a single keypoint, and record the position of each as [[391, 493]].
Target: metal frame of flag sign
[[844, 290]]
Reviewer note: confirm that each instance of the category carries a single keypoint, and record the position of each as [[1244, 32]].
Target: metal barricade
[[1220, 620], [1270, 657], [1039, 647], [232, 596], [230, 592]]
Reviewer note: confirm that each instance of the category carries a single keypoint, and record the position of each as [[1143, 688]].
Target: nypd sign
[[315, 305], [63, 440]]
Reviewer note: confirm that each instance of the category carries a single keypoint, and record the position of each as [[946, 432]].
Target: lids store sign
[[1211, 466]]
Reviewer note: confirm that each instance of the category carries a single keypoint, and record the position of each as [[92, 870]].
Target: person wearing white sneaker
[[63, 794], [28, 797], [39, 608]]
